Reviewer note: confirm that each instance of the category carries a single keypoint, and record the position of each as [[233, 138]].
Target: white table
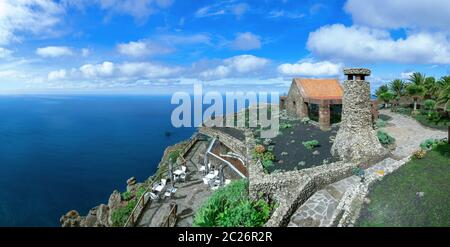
[[178, 172], [210, 176], [159, 188]]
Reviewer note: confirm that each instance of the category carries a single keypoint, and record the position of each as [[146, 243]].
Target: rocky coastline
[[101, 215]]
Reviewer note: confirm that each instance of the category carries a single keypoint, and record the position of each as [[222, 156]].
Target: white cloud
[[5, 53], [362, 44], [239, 9], [104, 69], [57, 75], [235, 66], [246, 63], [147, 70], [142, 48], [406, 75], [32, 16], [220, 71], [324, 68], [54, 51], [400, 13], [222, 8], [246, 41], [184, 39], [285, 14], [207, 11], [85, 52]]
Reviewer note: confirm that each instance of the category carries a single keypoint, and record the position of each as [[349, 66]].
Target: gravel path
[[320, 208]]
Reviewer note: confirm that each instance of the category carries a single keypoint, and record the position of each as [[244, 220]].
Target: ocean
[[64, 152]]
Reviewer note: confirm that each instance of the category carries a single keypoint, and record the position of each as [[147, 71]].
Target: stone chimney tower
[[356, 139]]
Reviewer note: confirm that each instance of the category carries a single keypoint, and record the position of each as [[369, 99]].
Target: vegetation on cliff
[[230, 206]]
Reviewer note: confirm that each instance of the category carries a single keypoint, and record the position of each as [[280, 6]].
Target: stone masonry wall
[[290, 189], [234, 144], [356, 139]]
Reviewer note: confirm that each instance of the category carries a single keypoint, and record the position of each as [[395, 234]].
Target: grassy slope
[[394, 201]]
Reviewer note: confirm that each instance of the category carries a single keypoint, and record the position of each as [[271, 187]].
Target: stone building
[[318, 99]]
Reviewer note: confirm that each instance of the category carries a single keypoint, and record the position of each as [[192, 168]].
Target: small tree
[[430, 105], [398, 87], [382, 89], [386, 97], [415, 91]]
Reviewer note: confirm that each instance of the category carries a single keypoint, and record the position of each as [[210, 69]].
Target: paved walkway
[[408, 133], [320, 208], [189, 197]]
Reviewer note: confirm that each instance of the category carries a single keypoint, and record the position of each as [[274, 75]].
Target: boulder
[[114, 200], [131, 184], [103, 215], [71, 219], [131, 181]]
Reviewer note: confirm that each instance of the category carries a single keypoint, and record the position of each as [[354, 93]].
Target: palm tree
[[431, 88], [381, 89], [417, 78], [398, 87], [444, 91], [415, 91], [386, 97]]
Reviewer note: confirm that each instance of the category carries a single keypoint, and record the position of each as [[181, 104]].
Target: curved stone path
[[323, 207]]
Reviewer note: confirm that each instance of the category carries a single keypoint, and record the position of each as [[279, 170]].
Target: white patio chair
[[215, 187], [153, 196], [163, 181], [183, 168], [205, 181], [183, 177], [216, 173]]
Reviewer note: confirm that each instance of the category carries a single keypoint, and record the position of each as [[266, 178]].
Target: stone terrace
[[189, 196]]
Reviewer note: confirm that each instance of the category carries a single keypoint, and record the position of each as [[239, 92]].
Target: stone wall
[[295, 106], [232, 143], [290, 189]]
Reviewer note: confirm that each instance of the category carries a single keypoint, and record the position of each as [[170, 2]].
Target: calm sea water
[[59, 153]]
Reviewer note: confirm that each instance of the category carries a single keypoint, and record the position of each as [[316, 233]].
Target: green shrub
[[230, 206], [305, 120], [404, 110], [127, 195], [266, 157], [285, 126], [434, 116], [174, 155], [120, 215], [139, 192], [385, 138], [429, 144], [429, 104], [311, 144]]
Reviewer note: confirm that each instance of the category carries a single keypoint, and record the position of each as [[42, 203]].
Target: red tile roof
[[323, 89]]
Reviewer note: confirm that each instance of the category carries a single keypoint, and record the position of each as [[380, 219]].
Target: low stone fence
[[353, 199], [231, 142], [290, 189]]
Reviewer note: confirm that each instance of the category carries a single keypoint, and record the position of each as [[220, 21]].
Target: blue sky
[[160, 46]]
